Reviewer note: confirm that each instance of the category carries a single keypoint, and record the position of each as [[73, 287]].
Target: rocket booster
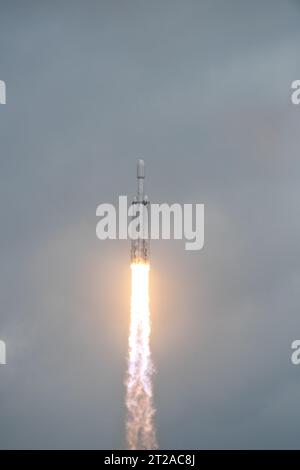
[[140, 246]]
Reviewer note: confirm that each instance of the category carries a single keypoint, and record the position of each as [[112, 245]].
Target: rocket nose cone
[[141, 169]]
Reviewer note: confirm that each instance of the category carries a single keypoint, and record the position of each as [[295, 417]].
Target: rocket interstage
[[140, 429], [140, 246]]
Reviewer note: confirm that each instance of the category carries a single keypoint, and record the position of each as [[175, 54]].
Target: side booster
[[140, 246]]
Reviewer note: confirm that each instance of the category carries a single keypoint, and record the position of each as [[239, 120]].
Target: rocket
[[140, 246]]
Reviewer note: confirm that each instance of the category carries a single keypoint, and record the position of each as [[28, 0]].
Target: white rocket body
[[140, 246]]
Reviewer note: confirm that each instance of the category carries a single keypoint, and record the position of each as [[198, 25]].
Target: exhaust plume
[[140, 430]]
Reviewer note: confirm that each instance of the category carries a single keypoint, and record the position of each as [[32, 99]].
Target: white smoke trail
[[139, 390]]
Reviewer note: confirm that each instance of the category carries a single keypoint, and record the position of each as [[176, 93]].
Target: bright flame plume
[[139, 390]]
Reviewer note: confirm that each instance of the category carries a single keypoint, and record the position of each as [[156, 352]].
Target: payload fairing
[[140, 245]]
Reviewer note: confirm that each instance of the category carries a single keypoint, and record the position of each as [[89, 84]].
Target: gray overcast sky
[[201, 90]]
